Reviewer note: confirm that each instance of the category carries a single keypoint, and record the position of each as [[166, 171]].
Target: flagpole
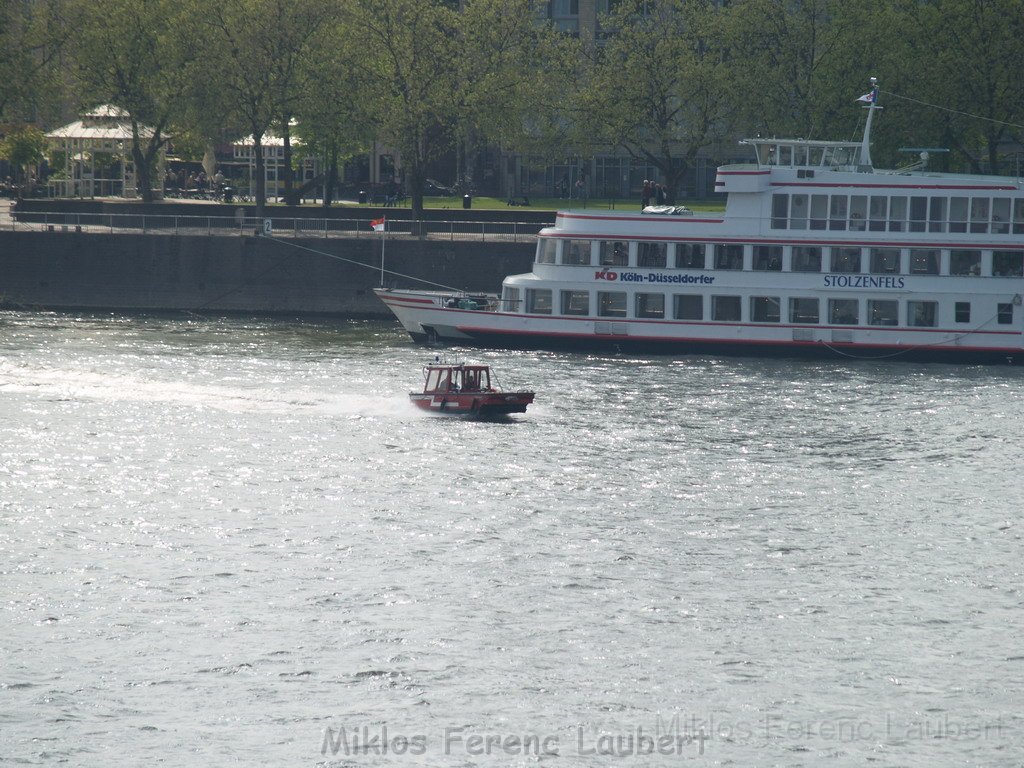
[[383, 237]]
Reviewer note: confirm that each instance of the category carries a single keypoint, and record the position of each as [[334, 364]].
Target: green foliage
[[24, 147]]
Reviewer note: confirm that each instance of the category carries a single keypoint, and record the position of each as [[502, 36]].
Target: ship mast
[[872, 104]]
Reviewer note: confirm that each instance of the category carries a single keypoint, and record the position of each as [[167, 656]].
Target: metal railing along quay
[[509, 231]]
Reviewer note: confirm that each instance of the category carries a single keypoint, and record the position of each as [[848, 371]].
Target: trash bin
[[362, 197], [467, 202], [229, 194]]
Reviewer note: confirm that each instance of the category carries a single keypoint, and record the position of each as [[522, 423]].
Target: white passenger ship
[[817, 254]]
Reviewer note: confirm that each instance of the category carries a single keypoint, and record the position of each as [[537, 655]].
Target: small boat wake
[[65, 384]]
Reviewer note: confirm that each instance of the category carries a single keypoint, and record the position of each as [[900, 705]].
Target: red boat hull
[[473, 403]]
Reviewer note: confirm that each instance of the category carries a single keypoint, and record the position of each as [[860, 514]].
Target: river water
[[230, 541]]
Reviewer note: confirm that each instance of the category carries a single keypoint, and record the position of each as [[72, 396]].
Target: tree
[[32, 37], [658, 88], [962, 87], [138, 56], [259, 54], [23, 149]]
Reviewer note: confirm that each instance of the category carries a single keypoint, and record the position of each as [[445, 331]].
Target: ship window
[[819, 211], [1000, 216], [837, 212], [877, 213], [979, 214], [843, 311], [538, 301], [858, 213], [768, 258], [576, 252], [546, 248], [652, 255], [785, 155], [575, 302], [883, 312], [1018, 216], [922, 314], [897, 214], [780, 211], [798, 212], [688, 306], [924, 261], [611, 304], [965, 262], [613, 253], [764, 309], [845, 260], [885, 261], [1008, 263], [1004, 313], [690, 255], [728, 256], [918, 213], [803, 310], [433, 380], [510, 302], [958, 214], [650, 305], [816, 155], [806, 258], [725, 308], [962, 311], [937, 215]]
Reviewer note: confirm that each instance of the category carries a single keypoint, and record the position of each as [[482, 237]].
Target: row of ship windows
[[777, 258], [760, 309], [884, 213]]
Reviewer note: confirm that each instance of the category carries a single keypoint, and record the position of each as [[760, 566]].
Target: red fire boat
[[466, 390]]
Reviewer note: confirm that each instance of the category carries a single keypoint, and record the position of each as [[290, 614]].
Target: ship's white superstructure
[[817, 253]]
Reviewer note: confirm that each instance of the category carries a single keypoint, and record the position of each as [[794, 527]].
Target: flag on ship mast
[[378, 224], [869, 98]]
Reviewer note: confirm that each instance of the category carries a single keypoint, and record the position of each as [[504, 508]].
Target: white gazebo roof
[[103, 123]]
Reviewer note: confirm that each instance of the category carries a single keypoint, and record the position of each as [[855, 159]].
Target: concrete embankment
[[92, 270]]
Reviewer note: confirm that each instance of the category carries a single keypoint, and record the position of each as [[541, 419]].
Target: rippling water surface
[[235, 542]]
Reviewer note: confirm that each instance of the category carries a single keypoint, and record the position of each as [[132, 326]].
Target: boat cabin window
[[764, 309], [858, 213], [726, 308], [979, 214], [883, 312], [576, 252], [728, 256], [768, 258], [688, 306], [806, 258], [958, 214], [1004, 313], [964, 262], [575, 302], [538, 301], [845, 260], [817, 155], [922, 314], [803, 310], [1018, 216], [877, 211], [510, 299], [843, 311], [962, 311], [819, 211], [653, 255], [897, 214], [885, 261], [798, 212], [918, 213], [650, 305], [924, 261], [611, 303], [613, 253], [937, 214], [1000, 215], [837, 212], [434, 379], [546, 249], [780, 211], [1008, 263], [475, 379], [690, 255]]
